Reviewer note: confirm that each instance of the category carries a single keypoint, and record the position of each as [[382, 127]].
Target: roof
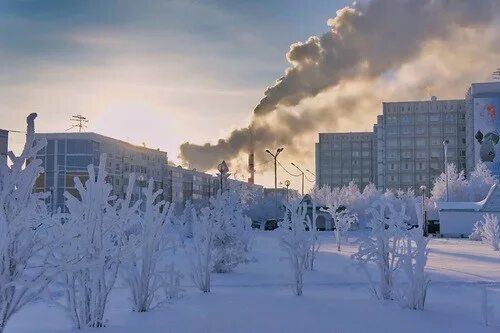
[[489, 204]]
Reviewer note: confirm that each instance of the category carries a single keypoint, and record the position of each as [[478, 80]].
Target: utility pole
[[423, 188], [445, 146], [302, 173], [275, 156]]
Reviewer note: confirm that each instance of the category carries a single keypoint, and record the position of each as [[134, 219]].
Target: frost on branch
[[94, 245], [413, 259], [343, 219], [145, 271], [477, 231], [314, 241], [490, 231], [382, 248], [233, 237], [23, 227], [200, 249], [295, 241]]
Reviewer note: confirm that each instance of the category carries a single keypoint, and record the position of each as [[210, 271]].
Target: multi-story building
[[67, 156], [4, 142], [344, 157], [410, 136], [185, 184], [483, 126]]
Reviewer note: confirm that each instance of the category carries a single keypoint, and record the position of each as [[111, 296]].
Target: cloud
[[385, 50]]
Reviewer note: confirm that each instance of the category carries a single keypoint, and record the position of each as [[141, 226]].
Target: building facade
[[483, 126], [67, 156], [410, 136], [344, 157], [4, 142]]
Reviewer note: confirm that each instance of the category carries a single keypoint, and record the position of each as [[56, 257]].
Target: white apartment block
[[344, 157], [67, 156], [410, 136]]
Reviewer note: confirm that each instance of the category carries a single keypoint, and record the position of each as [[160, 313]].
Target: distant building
[[344, 157], [67, 156], [410, 139], [483, 126], [4, 142], [188, 185]]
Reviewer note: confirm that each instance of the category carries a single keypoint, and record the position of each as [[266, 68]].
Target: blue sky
[[160, 72]]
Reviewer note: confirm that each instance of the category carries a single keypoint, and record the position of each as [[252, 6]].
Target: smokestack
[[251, 160], [251, 167]]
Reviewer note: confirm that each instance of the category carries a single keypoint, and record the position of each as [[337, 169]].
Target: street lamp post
[[302, 174], [275, 157], [423, 188], [223, 169], [287, 184], [445, 146]]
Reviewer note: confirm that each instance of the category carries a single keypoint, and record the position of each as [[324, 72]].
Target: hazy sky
[[166, 72]]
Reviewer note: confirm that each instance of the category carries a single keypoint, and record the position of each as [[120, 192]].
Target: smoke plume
[[369, 54]]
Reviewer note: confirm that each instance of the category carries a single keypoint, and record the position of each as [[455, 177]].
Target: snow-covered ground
[[257, 297]]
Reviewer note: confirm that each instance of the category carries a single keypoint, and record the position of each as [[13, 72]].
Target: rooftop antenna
[[80, 122]]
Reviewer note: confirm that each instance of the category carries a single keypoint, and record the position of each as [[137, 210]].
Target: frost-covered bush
[[23, 226], [490, 231], [200, 248], [94, 243], [480, 182], [413, 259], [233, 237], [183, 223], [382, 247], [145, 270], [477, 231], [295, 241]]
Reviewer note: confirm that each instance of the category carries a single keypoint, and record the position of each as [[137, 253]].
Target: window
[[435, 117], [407, 154], [420, 130], [420, 142]]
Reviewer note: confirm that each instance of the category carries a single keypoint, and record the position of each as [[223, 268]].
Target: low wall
[[459, 223]]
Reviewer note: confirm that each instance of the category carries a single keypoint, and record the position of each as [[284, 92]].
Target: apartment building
[[410, 136], [67, 156], [4, 142], [344, 157], [188, 185]]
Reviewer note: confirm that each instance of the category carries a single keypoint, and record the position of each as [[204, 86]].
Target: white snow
[[256, 297]]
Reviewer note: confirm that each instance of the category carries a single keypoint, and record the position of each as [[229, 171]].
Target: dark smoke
[[365, 41]]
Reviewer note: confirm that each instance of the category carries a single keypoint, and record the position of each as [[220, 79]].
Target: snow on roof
[[474, 206]]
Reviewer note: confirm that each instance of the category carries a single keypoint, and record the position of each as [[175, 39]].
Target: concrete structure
[[4, 142], [410, 139], [457, 219], [344, 157], [67, 155], [483, 119], [324, 220]]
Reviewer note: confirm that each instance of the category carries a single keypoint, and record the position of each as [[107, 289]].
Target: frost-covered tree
[[413, 259], [200, 248], [232, 241], [480, 182], [145, 271], [94, 242], [490, 231], [314, 240], [295, 241], [23, 226], [343, 219], [457, 186], [183, 224], [382, 247]]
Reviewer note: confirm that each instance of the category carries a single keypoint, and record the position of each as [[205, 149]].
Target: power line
[[291, 174], [310, 181]]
